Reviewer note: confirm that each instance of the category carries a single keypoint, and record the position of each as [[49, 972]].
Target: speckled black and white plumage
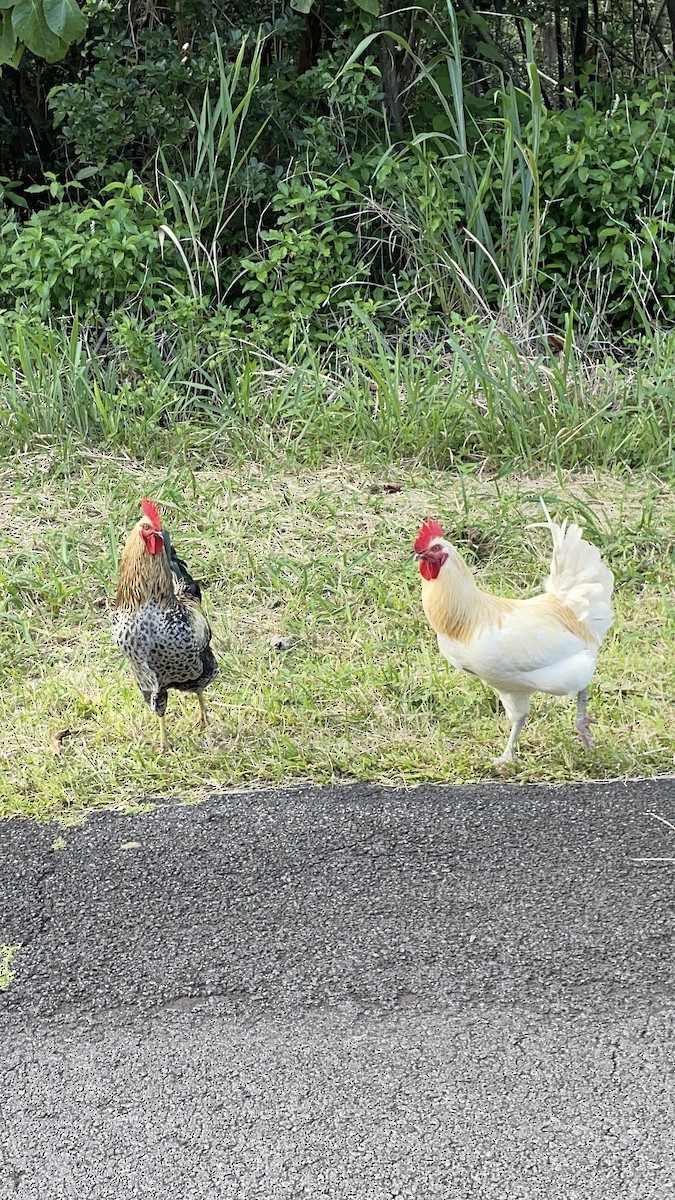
[[159, 626], [167, 648]]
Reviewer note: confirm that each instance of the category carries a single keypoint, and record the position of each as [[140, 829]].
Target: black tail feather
[[190, 587]]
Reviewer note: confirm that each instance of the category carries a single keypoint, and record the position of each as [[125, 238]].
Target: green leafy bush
[[92, 258], [134, 97], [307, 262], [606, 185]]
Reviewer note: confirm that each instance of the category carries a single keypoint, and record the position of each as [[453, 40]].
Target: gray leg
[[509, 754], [202, 711], [583, 721]]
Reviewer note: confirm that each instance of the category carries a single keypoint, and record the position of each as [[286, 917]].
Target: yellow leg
[[202, 711], [163, 742]]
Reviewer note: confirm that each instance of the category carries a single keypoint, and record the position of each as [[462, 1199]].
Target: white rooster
[[548, 643]]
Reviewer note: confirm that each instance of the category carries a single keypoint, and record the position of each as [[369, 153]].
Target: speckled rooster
[[158, 621]]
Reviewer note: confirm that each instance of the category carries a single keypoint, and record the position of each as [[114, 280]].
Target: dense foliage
[[280, 177]]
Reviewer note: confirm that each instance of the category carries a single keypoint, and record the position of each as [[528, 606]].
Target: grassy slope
[[323, 556]]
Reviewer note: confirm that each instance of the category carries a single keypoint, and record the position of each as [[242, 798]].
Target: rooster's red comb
[[428, 533], [151, 511]]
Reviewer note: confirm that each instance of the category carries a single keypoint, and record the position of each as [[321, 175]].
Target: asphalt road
[[344, 994]]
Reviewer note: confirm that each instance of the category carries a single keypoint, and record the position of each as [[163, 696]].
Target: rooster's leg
[[202, 711], [509, 754], [583, 721], [163, 741], [517, 706]]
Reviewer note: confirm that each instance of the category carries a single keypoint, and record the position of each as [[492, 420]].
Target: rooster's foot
[[507, 759], [510, 756]]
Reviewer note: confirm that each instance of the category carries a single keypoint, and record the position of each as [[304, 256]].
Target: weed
[[489, 395], [7, 972]]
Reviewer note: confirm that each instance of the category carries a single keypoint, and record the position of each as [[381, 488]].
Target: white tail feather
[[579, 578]]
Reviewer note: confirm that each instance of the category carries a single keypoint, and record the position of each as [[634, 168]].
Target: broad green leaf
[[370, 6], [7, 39], [7, 3], [30, 28], [65, 19], [441, 123], [26, 18], [302, 6], [87, 172], [491, 53]]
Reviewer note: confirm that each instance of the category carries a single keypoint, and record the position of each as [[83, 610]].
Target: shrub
[[134, 97], [606, 181], [92, 258]]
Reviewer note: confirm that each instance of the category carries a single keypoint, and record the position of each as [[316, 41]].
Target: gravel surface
[[348, 992]]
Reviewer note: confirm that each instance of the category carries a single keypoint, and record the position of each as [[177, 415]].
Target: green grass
[[493, 394], [322, 555], [7, 973]]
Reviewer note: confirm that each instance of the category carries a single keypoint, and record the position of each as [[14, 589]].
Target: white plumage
[[579, 577], [547, 643]]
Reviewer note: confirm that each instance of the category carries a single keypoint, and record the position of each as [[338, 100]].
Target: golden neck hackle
[[455, 606], [449, 600], [143, 576]]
